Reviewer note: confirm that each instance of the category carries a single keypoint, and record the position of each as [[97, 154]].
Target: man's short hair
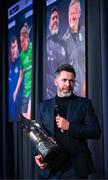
[[73, 2], [25, 29], [54, 9], [14, 38], [65, 67]]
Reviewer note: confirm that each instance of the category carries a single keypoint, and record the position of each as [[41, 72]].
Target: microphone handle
[[61, 129]]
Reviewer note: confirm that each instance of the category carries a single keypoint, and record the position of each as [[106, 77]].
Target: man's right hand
[[39, 161]]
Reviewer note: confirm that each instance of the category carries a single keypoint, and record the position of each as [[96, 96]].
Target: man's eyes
[[55, 17], [70, 81]]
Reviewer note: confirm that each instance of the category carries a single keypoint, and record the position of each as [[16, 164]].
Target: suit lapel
[[51, 116]]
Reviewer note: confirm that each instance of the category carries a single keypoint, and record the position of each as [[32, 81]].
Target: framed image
[[20, 21], [65, 42]]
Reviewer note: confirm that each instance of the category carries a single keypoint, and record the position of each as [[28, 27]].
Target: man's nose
[[55, 20], [68, 83], [73, 15]]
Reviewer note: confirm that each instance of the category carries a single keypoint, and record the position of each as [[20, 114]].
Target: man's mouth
[[66, 90]]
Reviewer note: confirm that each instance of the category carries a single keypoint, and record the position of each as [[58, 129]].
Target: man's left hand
[[62, 123]]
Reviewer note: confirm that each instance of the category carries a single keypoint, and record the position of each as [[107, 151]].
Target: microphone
[[58, 113]]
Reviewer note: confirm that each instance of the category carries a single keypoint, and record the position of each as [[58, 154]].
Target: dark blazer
[[83, 125]]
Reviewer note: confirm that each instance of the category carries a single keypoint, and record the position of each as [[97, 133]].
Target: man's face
[[73, 16], [14, 50], [54, 23], [65, 83], [24, 41]]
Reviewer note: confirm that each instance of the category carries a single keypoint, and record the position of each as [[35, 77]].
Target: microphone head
[[61, 110]]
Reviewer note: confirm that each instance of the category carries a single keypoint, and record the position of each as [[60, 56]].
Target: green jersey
[[26, 66]]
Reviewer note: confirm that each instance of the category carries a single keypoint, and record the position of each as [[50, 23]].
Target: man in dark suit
[[71, 120]]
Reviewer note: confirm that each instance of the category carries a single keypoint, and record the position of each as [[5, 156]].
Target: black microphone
[[59, 112]]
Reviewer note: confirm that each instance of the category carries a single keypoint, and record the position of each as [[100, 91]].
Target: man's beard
[[68, 94], [54, 31], [74, 25]]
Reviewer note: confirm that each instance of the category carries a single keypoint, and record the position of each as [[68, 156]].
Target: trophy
[[52, 153]]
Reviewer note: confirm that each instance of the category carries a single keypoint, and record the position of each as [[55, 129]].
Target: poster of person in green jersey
[[25, 71], [20, 19]]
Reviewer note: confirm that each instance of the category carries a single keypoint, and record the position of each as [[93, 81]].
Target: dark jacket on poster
[[56, 55], [75, 44], [14, 70]]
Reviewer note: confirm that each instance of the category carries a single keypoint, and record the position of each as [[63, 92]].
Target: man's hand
[[14, 96], [39, 161], [62, 123]]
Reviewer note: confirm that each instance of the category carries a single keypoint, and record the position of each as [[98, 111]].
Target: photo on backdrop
[[65, 42], [20, 59]]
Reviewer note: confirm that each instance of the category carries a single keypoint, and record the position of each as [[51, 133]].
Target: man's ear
[[55, 82]]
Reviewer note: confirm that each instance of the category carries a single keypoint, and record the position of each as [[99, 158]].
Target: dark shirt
[[62, 105]]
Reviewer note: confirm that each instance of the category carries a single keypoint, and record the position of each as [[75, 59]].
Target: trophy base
[[56, 158]]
